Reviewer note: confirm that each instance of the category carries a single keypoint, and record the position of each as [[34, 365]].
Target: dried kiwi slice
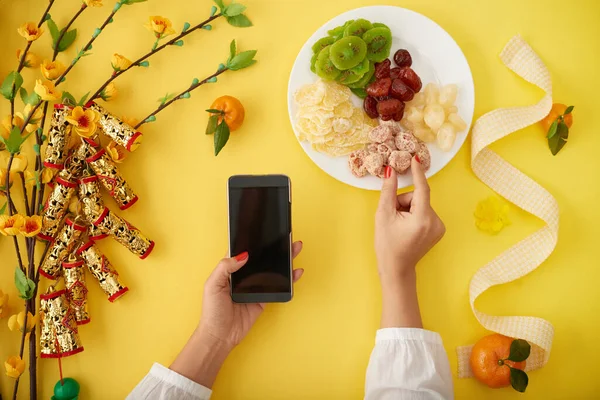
[[338, 32], [348, 77], [379, 43], [358, 27], [324, 67], [313, 60], [361, 68], [322, 43], [348, 52], [380, 25], [364, 81]]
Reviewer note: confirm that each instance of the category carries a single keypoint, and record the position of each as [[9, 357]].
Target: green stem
[[154, 51], [178, 97], [66, 29]]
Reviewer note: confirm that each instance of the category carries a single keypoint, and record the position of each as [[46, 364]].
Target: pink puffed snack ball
[[381, 133], [356, 162], [424, 156], [400, 161], [374, 164], [407, 142]]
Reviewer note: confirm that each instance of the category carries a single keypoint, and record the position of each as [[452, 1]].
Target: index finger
[[421, 193]]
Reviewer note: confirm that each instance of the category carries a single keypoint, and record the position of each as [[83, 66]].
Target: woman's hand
[[223, 323], [406, 228], [223, 319]]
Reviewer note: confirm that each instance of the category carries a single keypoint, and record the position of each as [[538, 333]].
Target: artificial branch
[[21, 351], [180, 96], [23, 183], [66, 28], [154, 50]]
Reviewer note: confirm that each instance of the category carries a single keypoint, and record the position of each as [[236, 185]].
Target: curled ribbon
[[524, 192]]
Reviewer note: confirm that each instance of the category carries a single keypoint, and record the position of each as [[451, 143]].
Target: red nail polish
[[388, 171], [418, 159], [241, 256]]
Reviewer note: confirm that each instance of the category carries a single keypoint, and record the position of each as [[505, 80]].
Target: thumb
[[387, 199], [226, 267]]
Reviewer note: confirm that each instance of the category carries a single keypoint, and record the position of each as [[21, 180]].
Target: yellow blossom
[[30, 31], [119, 63], [19, 163], [10, 225], [160, 26], [93, 3], [17, 321], [48, 174], [83, 122], [46, 90], [131, 122], [29, 179], [3, 304], [18, 121], [31, 226], [109, 92], [116, 152], [491, 215], [14, 366], [31, 60], [52, 69], [37, 115], [3, 180]]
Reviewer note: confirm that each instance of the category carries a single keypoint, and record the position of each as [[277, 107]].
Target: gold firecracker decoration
[[59, 336], [73, 272], [102, 270], [61, 248]]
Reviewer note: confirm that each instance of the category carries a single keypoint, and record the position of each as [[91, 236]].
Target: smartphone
[[260, 222]]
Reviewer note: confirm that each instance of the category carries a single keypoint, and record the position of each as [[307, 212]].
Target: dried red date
[[389, 107], [402, 58], [370, 106], [411, 79], [400, 91], [380, 87], [395, 73], [382, 69], [398, 116]]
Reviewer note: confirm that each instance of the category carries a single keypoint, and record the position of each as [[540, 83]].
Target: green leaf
[[14, 141], [221, 137], [220, 4], [3, 208], [232, 51], [212, 80], [165, 98], [36, 148], [31, 98], [569, 110], [242, 60], [552, 130], [24, 285], [519, 350], [67, 40], [234, 9], [144, 64], [53, 31], [240, 21], [207, 27], [67, 98], [215, 111], [178, 43], [186, 26], [518, 379], [151, 118], [81, 101], [12, 83], [212, 124], [361, 93], [213, 10], [129, 2], [558, 141], [185, 95], [23, 94]]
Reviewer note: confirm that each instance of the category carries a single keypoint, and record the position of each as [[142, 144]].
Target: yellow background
[[317, 346]]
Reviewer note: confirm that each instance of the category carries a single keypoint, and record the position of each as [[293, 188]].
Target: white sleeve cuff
[[173, 379], [407, 334]]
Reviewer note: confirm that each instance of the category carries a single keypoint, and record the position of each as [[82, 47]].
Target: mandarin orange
[[489, 361]]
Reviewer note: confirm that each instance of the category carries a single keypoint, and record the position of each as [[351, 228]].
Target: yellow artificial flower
[[19, 163], [16, 321], [14, 366], [31, 60], [48, 174], [3, 304], [52, 69], [109, 92], [30, 31], [119, 63], [83, 122], [46, 90], [131, 122], [10, 225], [3, 181], [491, 215], [93, 3], [37, 115], [116, 152], [18, 121], [31, 226], [29, 179], [160, 26]]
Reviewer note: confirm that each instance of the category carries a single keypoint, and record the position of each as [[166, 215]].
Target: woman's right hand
[[406, 228]]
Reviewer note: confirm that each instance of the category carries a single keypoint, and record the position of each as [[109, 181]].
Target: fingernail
[[301, 242], [388, 171], [241, 256], [418, 159]]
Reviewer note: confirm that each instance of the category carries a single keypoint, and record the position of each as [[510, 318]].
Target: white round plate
[[436, 58]]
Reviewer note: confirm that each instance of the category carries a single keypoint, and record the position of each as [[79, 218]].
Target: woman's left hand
[[222, 319]]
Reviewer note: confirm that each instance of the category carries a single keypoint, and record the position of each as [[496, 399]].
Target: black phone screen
[[259, 223]]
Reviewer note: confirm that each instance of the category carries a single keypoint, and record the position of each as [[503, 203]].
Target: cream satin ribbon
[[522, 191]]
